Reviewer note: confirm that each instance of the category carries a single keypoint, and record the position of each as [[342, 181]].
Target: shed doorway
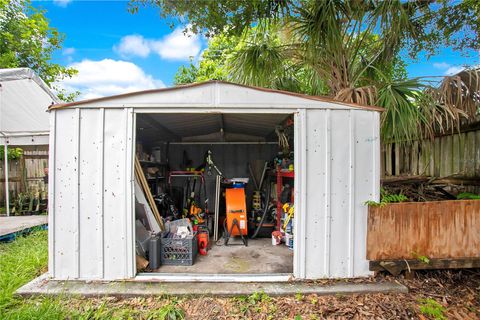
[[223, 185]]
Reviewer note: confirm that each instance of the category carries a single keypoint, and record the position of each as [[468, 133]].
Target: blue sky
[[116, 51]]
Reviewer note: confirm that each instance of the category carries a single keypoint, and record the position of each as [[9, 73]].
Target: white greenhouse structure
[[93, 144], [24, 120]]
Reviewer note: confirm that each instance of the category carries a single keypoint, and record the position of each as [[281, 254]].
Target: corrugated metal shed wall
[[91, 220], [342, 172], [92, 210]]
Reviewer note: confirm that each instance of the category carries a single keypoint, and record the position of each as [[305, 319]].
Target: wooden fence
[[26, 175], [436, 229], [456, 154]]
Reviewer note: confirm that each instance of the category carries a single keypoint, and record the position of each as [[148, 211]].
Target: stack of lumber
[[140, 176]]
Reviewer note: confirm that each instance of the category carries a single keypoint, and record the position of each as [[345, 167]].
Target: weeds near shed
[[468, 196], [386, 198], [298, 296], [257, 297], [421, 258], [253, 301], [169, 311], [432, 308]]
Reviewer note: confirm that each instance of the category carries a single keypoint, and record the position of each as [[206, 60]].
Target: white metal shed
[[92, 147]]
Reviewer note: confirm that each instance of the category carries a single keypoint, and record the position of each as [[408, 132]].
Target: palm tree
[[348, 50]]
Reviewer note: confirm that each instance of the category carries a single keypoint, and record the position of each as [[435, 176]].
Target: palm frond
[[461, 92], [402, 120]]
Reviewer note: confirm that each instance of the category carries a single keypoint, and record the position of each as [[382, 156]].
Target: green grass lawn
[[21, 261], [26, 258]]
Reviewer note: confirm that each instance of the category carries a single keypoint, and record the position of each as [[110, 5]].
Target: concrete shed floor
[[260, 257]]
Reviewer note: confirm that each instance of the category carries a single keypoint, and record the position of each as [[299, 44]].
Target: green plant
[[432, 308], [256, 297], [468, 196], [298, 296], [386, 198], [13, 153], [421, 258], [170, 311]]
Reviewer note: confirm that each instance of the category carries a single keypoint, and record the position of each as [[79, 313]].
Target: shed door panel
[[66, 232], [342, 165]]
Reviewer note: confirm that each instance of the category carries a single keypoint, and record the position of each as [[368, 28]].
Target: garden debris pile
[[420, 192], [421, 189]]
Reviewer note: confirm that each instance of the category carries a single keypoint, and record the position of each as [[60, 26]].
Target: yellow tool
[[196, 211], [290, 209]]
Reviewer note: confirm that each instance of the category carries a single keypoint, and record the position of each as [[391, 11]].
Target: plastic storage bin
[[179, 252]]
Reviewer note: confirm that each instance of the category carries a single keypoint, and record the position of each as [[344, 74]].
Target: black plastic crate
[[179, 252]]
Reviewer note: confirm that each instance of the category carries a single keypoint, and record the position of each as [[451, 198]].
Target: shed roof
[[216, 93]]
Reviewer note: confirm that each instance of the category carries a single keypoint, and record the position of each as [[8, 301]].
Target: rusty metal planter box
[[437, 230]]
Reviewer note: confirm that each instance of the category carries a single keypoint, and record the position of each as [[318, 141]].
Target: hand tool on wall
[[211, 164]]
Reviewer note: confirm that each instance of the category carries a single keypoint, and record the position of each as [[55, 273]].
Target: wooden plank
[[388, 160], [461, 153], [456, 154], [452, 180], [148, 193], [396, 266], [477, 153], [415, 155], [427, 158], [382, 160], [396, 170], [405, 152], [431, 156], [445, 160], [421, 158], [11, 179], [470, 154], [436, 157], [405, 179], [437, 229]]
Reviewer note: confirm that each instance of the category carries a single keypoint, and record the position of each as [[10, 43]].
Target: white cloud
[[177, 45], [62, 3], [133, 45], [441, 65], [453, 70], [449, 69], [108, 77], [174, 46], [68, 51]]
